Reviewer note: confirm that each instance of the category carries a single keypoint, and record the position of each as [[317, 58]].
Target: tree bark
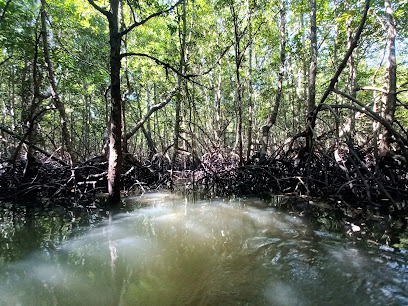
[[352, 79], [251, 91], [115, 138], [66, 136], [218, 95], [238, 90], [23, 140], [179, 82], [115, 128], [274, 114], [150, 142], [391, 76], [312, 76], [151, 111]]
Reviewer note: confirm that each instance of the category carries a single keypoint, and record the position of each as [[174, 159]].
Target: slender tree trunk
[[13, 100], [129, 87], [303, 107], [24, 91], [66, 136], [179, 97], [295, 117], [251, 91], [352, 79], [150, 143], [239, 115], [391, 76], [86, 122], [335, 60], [238, 91], [301, 89], [115, 137], [32, 117], [218, 92], [156, 116], [274, 114], [312, 75]]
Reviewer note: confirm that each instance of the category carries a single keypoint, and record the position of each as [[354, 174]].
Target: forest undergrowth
[[349, 180], [346, 174]]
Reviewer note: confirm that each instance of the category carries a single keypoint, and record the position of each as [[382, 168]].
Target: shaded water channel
[[169, 251]]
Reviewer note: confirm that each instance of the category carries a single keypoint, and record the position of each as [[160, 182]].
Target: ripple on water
[[170, 251]]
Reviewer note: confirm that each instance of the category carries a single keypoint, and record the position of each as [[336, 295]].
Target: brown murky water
[[174, 252]]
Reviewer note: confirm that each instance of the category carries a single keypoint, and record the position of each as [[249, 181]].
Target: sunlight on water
[[172, 252]]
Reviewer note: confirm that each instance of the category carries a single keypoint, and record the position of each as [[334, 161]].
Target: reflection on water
[[170, 252]]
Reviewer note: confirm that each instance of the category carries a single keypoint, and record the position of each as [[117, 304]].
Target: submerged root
[[345, 174], [52, 182]]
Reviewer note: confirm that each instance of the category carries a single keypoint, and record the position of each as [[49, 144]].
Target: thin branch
[[372, 88], [401, 91], [380, 21], [216, 63], [5, 61], [131, 9], [362, 109], [102, 10], [379, 64], [250, 42], [4, 10], [353, 45], [166, 66], [152, 110], [404, 105], [12, 134], [136, 24], [401, 127], [403, 84]]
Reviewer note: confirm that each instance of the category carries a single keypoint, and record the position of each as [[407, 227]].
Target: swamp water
[[167, 251]]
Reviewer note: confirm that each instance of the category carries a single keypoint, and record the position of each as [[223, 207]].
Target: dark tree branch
[[100, 9], [4, 10], [131, 9], [403, 142], [166, 66], [22, 139], [216, 63], [136, 24], [250, 42], [353, 45], [152, 110], [403, 84], [5, 61]]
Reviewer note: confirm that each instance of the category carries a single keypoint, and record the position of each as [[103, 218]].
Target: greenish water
[[168, 251]]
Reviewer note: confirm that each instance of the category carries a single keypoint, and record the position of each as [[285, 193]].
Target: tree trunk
[[238, 92], [178, 99], [250, 92], [352, 79], [115, 137], [66, 136], [32, 119], [218, 91], [391, 76], [150, 143], [274, 114], [312, 75]]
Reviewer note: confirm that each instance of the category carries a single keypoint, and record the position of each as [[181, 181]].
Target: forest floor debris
[[51, 182], [350, 175], [347, 177]]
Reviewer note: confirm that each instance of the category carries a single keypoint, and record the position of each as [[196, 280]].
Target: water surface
[[170, 251]]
